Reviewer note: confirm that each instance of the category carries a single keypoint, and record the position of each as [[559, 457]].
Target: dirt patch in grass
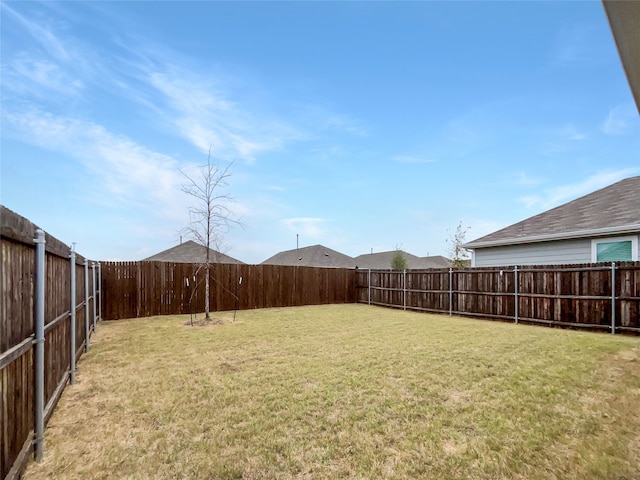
[[208, 322], [347, 391]]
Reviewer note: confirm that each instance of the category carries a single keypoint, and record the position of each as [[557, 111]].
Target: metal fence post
[[39, 343], [72, 256], [516, 306], [450, 291], [404, 289], [369, 286], [93, 277], [613, 298], [100, 290], [87, 327]]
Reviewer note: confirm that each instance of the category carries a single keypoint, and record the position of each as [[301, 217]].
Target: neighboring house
[[382, 261], [314, 256], [191, 252], [434, 261], [602, 226]]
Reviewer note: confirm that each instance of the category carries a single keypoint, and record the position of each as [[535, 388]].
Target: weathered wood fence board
[[142, 289], [17, 329], [581, 296]]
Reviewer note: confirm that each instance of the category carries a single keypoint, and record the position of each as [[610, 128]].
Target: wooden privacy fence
[[594, 296], [49, 308], [141, 289]]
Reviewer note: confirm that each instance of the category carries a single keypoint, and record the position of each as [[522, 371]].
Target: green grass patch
[[348, 391]]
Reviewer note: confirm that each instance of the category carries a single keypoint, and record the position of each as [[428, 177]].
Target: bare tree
[[209, 217], [456, 240]]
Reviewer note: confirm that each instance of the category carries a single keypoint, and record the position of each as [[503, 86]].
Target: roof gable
[[313, 256], [435, 261], [611, 210], [382, 261], [191, 252]]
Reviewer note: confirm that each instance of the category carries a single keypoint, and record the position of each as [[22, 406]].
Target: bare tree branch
[[458, 253], [209, 217]]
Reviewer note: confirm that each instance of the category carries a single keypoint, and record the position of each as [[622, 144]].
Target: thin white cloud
[[45, 57], [569, 46], [317, 118], [39, 77], [530, 201], [479, 227], [564, 139], [480, 127], [204, 107], [41, 33], [619, 120], [525, 179], [205, 115], [42, 63], [576, 45], [552, 197], [128, 172], [305, 226], [189, 94], [345, 124], [571, 132], [207, 106]]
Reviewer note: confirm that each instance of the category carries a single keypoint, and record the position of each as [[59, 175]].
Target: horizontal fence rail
[[142, 289], [595, 296], [46, 319]]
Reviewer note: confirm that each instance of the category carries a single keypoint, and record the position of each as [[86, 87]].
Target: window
[[619, 249]]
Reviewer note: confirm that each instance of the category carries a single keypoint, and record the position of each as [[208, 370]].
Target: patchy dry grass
[[348, 392]]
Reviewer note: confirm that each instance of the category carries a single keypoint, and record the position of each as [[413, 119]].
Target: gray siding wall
[[543, 253]]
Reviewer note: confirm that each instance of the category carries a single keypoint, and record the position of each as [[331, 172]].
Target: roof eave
[[623, 19], [594, 232]]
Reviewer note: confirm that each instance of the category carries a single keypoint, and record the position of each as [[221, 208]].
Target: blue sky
[[357, 125]]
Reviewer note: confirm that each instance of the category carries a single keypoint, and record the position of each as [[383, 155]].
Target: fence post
[[39, 343], [72, 367], [369, 286], [404, 289], [100, 290], [613, 298], [87, 332], [450, 290], [516, 306], [93, 277]]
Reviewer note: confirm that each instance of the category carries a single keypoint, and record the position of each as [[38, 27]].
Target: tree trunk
[[206, 292]]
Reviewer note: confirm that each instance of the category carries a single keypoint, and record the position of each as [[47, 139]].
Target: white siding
[[543, 253]]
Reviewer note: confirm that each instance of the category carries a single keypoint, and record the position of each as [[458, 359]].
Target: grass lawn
[[347, 391]]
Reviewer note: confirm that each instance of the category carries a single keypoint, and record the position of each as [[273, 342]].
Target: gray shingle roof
[[313, 256], [382, 261], [191, 252], [435, 261], [611, 210]]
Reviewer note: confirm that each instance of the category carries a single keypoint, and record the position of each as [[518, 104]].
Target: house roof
[[191, 252], [624, 19], [382, 261], [611, 210], [436, 261], [313, 256]]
